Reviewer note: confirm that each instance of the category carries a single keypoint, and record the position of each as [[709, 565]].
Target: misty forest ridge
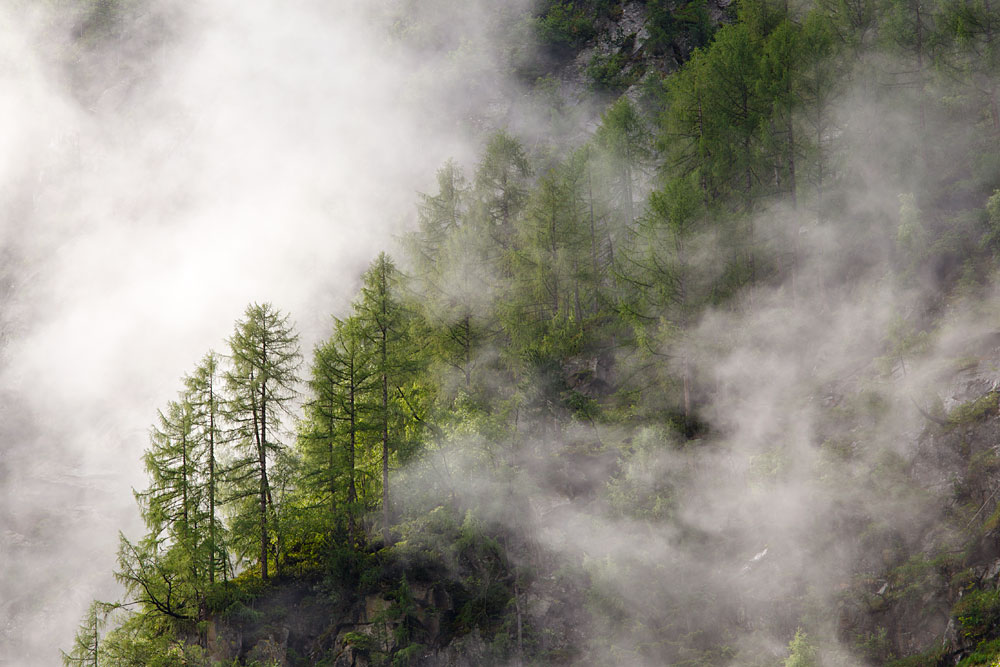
[[687, 351]]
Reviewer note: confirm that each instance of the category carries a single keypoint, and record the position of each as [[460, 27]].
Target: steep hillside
[[712, 381]]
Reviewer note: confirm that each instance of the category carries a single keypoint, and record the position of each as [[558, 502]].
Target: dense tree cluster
[[552, 291]]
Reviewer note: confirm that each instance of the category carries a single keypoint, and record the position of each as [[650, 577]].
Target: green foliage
[[975, 410], [261, 385], [801, 652], [87, 642], [978, 614], [642, 489], [667, 27], [608, 71], [483, 602], [986, 653], [359, 641], [991, 239], [930, 658], [876, 646], [565, 25], [903, 341], [552, 309]]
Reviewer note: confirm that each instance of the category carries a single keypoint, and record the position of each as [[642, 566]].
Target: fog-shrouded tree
[[261, 385], [439, 216], [87, 641], [666, 289], [624, 139], [500, 191], [338, 420], [970, 53], [453, 283], [386, 322], [171, 505]]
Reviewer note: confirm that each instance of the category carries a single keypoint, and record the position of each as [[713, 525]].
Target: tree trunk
[[352, 494], [385, 419], [211, 478], [260, 434], [593, 240]]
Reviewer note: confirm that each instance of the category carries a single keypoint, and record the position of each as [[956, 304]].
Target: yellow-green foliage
[[931, 658], [359, 640], [801, 651], [978, 613], [974, 411], [987, 653]]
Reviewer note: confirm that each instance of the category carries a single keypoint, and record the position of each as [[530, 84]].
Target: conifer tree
[[202, 392], [337, 417], [86, 643], [625, 139], [552, 259], [439, 216], [386, 323], [457, 287], [660, 266], [171, 505], [501, 190], [972, 36], [261, 384]]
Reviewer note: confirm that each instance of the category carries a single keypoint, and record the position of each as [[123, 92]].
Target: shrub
[[565, 25], [974, 411], [987, 653], [978, 614], [607, 72]]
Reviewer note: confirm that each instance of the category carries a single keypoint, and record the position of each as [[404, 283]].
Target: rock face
[[911, 600], [297, 623]]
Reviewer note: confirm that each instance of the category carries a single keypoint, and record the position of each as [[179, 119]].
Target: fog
[[167, 165], [811, 479], [163, 164]]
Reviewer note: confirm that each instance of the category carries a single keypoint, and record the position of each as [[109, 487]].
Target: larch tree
[[625, 140], [261, 383], [87, 642], [501, 191], [206, 402], [386, 324], [170, 506], [667, 288], [337, 417]]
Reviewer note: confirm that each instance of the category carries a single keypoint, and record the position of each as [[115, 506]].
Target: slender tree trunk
[[629, 207], [819, 162], [385, 458], [385, 423], [593, 239], [994, 109], [520, 623], [924, 153], [331, 468], [467, 349], [352, 494], [682, 321], [748, 194], [553, 250], [184, 475], [259, 431], [211, 479], [793, 190], [577, 309], [792, 183]]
